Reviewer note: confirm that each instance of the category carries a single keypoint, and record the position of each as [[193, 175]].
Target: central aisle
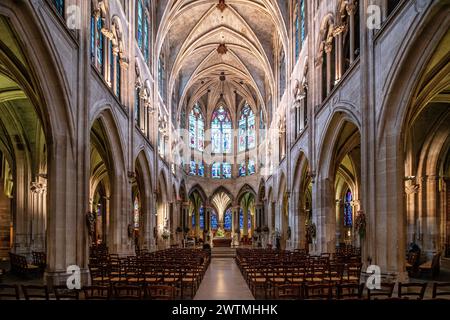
[[223, 281]]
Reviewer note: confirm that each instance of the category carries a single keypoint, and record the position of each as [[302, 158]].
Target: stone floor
[[223, 281]]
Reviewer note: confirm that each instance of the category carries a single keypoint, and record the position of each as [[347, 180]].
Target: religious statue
[[90, 223]]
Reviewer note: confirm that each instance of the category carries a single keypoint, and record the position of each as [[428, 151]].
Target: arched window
[[59, 6], [348, 210], [350, 36], [97, 42], [221, 134], [299, 26], [142, 27], [196, 129], [328, 57], [227, 219], [247, 132]]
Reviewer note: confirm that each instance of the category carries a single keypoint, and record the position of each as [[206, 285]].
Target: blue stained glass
[[196, 129], [112, 62], [227, 219], [297, 31], [216, 170], [145, 35], [303, 22], [193, 168], [242, 170], [193, 219], [137, 106], [118, 77], [241, 218], [247, 131], [226, 170], [251, 167], [348, 211], [201, 170], [139, 24], [214, 223], [100, 44], [92, 38], [221, 131], [202, 218], [59, 4]]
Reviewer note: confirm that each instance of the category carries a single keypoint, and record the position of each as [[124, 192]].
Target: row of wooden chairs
[[182, 269], [117, 292], [355, 291]]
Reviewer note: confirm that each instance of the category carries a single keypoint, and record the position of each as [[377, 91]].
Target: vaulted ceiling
[[217, 49]]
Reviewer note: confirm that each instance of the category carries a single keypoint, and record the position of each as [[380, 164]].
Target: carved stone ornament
[[412, 188]]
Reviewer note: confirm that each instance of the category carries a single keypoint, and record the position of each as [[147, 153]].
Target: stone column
[[351, 12], [328, 49], [324, 216]]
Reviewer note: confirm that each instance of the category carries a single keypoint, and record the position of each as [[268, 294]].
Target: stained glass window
[[226, 170], [227, 219], [241, 218], [193, 219], [299, 26], [348, 210], [202, 218], [139, 19], [197, 133], [216, 170], [251, 167], [112, 63], [137, 106], [242, 170], [99, 44], [142, 28], [201, 170], [118, 77], [136, 213], [214, 223], [92, 38], [297, 29], [193, 168], [145, 40], [247, 132], [59, 5], [221, 135]]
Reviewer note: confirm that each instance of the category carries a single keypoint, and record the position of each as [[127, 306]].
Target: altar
[[222, 242]]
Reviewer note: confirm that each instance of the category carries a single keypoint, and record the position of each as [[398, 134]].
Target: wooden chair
[[9, 292], [160, 292], [21, 267], [412, 263], [386, 292], [289, 292], [318, 292], [128, 292], [432, 266], [35, 292], [411, 290], [97, 293], [63, 293], [350, 291], [441, 290]]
